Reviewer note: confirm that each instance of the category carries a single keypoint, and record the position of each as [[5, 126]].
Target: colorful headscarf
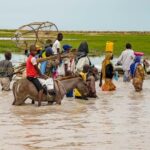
[[134, 65], [105, 62]]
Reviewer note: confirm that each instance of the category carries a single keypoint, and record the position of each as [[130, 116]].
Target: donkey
[[23, 89]]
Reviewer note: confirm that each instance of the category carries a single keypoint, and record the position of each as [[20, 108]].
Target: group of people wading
[[131, 65], [43, 74]]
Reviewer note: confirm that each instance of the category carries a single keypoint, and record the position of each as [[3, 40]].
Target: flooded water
[[118, 120]]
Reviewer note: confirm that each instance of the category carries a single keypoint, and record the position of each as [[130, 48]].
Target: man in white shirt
[[126, 59], [57, 46]]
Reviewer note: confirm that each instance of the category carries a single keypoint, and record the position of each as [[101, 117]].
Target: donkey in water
[[23, 89]]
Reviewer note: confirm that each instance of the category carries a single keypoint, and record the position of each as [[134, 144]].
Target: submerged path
[[117, 120]]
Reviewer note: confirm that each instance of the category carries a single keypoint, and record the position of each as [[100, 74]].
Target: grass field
[[96, 40]]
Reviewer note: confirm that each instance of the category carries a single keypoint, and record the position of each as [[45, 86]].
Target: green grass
[[8, 46], [7, 33], [96, 41]]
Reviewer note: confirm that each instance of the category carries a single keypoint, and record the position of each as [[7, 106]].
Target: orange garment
[[108, 85]]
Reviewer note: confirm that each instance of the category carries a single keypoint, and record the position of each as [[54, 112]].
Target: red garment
[[30, 69]]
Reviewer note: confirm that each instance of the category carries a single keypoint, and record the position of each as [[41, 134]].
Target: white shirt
[[33, 61], [126, 59], [82, 61], [70, 63], [56, 45]]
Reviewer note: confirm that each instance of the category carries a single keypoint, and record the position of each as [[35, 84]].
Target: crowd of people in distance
[[79, 63]]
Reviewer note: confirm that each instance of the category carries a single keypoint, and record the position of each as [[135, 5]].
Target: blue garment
[[49, 50], [43, 67], [133, 66], [66, 47], [116, 75], [69, 93]]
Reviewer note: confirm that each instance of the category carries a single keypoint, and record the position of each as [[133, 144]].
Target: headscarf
[[82, 51], [83, 47], [134, 65], [105, 62]]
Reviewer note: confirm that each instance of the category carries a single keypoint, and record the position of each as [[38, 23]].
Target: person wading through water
[[137, 72], [6, 72], [126, 59], [107, 74]]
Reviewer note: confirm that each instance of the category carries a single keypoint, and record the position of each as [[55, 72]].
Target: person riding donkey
[[33, 72]]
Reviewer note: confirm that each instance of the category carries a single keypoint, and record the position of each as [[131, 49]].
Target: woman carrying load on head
[[107, 73], [137, 72]]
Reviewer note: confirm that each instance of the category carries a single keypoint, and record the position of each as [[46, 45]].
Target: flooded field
[[117, 120]]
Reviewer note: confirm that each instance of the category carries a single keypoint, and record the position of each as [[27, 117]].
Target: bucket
[[109, 46]]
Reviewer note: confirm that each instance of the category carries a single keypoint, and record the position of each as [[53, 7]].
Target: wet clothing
[[126, 76], [6, 69], [137, 73], [134, 65], [138, 78], [107, 73], [84, 77], [108, 85], [126, 59], [6, 74], [36, 83], [5, 83]]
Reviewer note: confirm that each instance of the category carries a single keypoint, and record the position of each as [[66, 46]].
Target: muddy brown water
[[118, 120]]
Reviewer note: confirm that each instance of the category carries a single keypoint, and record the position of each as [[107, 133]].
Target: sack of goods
[[48, 82]]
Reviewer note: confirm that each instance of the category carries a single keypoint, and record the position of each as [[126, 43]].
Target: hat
[[67, 47], [138, 53]]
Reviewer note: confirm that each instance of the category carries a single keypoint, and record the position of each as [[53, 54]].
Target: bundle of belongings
[[48, 85]]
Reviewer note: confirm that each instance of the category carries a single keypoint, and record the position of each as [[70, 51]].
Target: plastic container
[[109, 46], [138, 53]]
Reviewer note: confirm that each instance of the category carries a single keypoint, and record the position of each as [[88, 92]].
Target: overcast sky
[[127, 15]]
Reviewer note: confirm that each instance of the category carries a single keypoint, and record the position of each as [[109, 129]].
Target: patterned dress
[[138, 78]]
